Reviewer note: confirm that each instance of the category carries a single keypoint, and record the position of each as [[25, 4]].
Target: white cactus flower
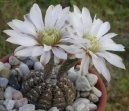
[[38, 37], [98, 44]]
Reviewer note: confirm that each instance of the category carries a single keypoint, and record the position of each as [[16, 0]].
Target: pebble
[[27, 107], [92, 106], [82, 84], [1, 93], [13, 82], [3, 82], [2, 108], [73, 74], [81, 101], [1, 66], [9, 104], [25, 70], [21, 102], [5, 73], [81, 107], [17, 95], [13, 61], [7, 65], [40, 110], [8, 94], [69, 108], [92, 79], [93, 98], [96, 91], [38, 66], [53, 109], [29, 62], [84, 94]]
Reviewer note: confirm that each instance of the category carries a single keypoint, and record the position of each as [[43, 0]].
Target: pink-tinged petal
[[20, 39], [95, 26], [59, 53], [36, 17], [45, 57], [112, 59], [100, 66], [29, 51], [104, 28]]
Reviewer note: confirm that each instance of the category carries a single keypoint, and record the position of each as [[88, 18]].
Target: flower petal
[[113, 59], [59, 53], [45, 57], [20, 39], [36, 17], [47, 48], [104, 28], [100, 66], [29, 51]]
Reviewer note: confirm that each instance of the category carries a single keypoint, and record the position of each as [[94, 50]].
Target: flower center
[[94, 43], [49, 36]]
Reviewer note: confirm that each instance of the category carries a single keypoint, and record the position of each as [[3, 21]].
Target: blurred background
[[114, 11]]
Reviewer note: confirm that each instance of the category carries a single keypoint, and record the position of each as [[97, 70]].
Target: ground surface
[[114, 11]]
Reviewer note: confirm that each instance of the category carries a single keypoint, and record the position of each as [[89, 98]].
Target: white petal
[[112, 47], [20, 39], [36, 17], [24, 27], [105, 27], [113, 59], [29, 51], [87, 20], [62, 18], [48, 15], [84, 65], [101, 67], [45, 57], [95, 27], [47, 48], [109, 35], [72, 49], [76, 9], [59, 53]]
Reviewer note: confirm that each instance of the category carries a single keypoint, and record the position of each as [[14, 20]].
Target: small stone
[[5, 72], [3, 82], [84, 94], [13, 110], [9, 104], [27, 107], [1, 93], [73, 74], [40, 110], [82, 84], [69, 108], [92, 79], [93, 98], [17, 95], [81, 107], [21, 102], [96, 91], [25, 70], [92, 106], [38, 66], [2, 108], [13, 61], [7, 65], [13, 82], [2, 66], [29, 62], [8, 94], [53, 109]]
